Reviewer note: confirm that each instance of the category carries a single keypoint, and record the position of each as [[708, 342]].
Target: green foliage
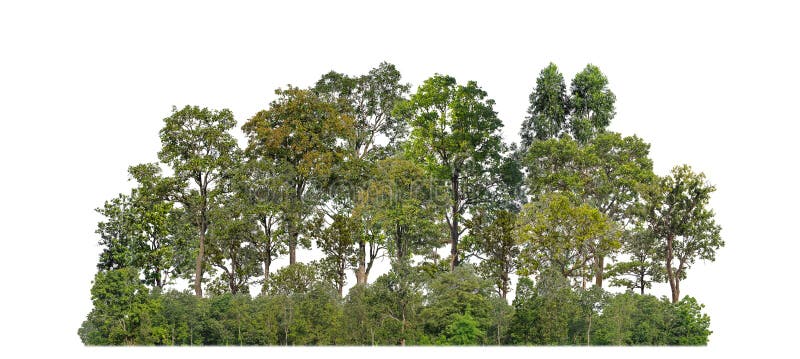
[[455, 293], [591, 102], [299, 136], [554, 233], [455, 136], [495, 243], [547, 114], [677, 214], [332, 164]]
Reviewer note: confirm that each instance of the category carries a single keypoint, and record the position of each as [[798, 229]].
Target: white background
[[84, 88]]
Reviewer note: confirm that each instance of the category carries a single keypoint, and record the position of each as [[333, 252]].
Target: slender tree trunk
[[361, 272], [673, 281], [454, 223], [589, 332], [598, 279], [267, 263], [198, 269], [232, 277], [294, 234]]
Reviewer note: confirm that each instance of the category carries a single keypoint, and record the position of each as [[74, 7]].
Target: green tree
[[369, 100], [259, 188], [689, 324], [591, 102], [554, 233], [549, 108], [336, 242], [494, 242], [543, 312], [139, 230], [122, 312], [464, 330], [455, 135], [197, 144], [642, 267], [677, 214], [455, 293], [606, 173], [232, 239], [299, 135]]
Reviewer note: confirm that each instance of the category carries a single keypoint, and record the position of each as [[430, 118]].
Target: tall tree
[[678, 215], [260, 189], [197, 144], [549, 108], [300, 136], [591, 102], [369, 100], [455, 134]]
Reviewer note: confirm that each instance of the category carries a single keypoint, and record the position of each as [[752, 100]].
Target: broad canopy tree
[[300, 135]]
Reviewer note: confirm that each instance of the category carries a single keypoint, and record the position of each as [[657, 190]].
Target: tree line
[[359, 168]]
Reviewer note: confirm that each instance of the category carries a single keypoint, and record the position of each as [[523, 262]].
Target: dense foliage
[[357, 168]]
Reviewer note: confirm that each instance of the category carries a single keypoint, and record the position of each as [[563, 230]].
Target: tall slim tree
[[455, 134], [678, 215], [260, 190], [198, 146], [549, 108], [300, 136]]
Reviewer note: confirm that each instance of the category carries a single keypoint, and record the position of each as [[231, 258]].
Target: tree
[[455, 293], [336, 243], [121, 314], [232, 247], [678, 215], [591, 102], [197, 145], [493, 241], [455, 136], [543, 312], [554, 233], [401, 206], [549, 109], [606, 173], [642, 267], [369, 100], [259, 188], [139, 230], [464, 330], [299, 135]]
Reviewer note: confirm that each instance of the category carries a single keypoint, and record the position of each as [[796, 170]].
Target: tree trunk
[[454, 223], [589, 332], [198, 269], [267, 263], [293, 246], [361, 272], [598, 279], [673, 281]]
